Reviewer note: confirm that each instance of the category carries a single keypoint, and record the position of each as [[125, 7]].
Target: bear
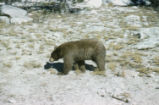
[[76, 52]]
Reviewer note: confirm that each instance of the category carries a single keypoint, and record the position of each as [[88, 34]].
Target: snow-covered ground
[[132, 74]]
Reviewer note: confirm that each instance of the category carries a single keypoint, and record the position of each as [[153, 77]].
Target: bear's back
[[80, 44], [83, 49]]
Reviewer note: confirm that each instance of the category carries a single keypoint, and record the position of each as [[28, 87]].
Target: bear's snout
[[51, 59]]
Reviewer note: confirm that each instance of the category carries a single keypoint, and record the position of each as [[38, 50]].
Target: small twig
[[157, 88], [120, 99]]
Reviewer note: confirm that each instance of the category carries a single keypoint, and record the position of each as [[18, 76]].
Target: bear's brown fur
[[78, 51]]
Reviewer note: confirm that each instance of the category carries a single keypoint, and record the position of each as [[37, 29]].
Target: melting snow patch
[[150, 37]]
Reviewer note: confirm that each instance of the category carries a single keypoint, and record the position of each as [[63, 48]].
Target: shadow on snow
[[59, 66]]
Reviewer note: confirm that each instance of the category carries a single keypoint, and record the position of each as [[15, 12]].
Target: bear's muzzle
[[51, 59]]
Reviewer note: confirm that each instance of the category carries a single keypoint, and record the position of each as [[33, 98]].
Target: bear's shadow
[[59, 66]]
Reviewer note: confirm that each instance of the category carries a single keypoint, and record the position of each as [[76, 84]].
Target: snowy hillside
[[130, 35]]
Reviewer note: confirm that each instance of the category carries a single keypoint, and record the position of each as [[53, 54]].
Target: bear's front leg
[[68, 63], [100, 61]]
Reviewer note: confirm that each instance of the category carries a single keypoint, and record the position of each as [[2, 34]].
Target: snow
[[150, 38], [4, 19], [21, 20], [133, 21], [75, 89], [25, 50]]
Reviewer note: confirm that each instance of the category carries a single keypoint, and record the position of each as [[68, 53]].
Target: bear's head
[[55, 55]]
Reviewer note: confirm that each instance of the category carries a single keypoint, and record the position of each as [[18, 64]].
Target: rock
[[94, 3], [127, 2], [13, 12], [141, 2], [133, 21], [17, 15], [119, 2], [4, 19], [150, 37]]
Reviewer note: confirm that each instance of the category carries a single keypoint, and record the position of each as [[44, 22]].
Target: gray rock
[[4, 19], [94, 3], [118, 2], [13, 12], [127, 2], [17, 15]]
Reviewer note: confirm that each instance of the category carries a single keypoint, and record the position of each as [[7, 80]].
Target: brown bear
[[78, 51]]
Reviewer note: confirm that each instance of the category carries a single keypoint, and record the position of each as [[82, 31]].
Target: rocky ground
[[130, 35]]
